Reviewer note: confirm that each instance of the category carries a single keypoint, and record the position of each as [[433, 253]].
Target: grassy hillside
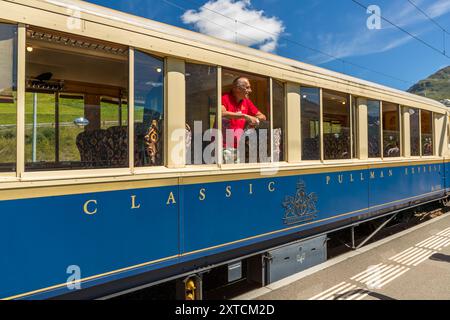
[[436, 86], [70, 109]]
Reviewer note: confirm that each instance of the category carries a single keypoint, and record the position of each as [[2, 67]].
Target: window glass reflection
[[354, 128], [427, 132], [391, 130], [40, 128], [336, 125], [148, 110], [68, 150], [8, 97], [414, 119], [373, 128], [201, 114], [279, 107], [310, 126]]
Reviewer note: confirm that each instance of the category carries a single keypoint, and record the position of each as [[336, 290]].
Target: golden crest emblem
[[301, 207]]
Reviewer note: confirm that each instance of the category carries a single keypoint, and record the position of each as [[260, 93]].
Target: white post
[[293, 137], [175, 117]]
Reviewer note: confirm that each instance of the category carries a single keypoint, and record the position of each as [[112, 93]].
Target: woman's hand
[[252, 120]]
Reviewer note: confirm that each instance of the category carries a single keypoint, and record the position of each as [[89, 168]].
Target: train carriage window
[[310, 126], [373, 128], [336, 125], [40, 145], [114, 112], [414, 120], [426, 129], [354, 128], [73, 108], [279, 107], [245, 118], [8, 97], [148, 110], [448, 133], [201, 114], [67, 80], [391, 130]]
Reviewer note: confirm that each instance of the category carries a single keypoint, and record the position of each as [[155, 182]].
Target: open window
[[245, 140], [76, 101]]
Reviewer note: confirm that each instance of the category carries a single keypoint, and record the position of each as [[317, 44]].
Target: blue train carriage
[[113, 170]]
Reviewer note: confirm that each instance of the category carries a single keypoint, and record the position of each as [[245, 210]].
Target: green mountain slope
[[436, 86]]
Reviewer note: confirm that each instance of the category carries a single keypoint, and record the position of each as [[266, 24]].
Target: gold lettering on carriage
[[171, 199], [90, 207], [202, 194], [133, 203], [271, 186], [228, 192], [421, 170], [86, 207], [342, 178]]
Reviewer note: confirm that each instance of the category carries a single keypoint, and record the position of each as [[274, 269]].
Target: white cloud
[[215, 18], [365, 43], [405, 14], [439, 8]]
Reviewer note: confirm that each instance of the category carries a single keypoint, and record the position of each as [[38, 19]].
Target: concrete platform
[[414, 264]]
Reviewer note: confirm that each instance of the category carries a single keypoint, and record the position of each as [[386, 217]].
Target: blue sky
[[338, 27]]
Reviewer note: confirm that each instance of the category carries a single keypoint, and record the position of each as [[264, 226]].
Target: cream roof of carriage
[[167, 40]]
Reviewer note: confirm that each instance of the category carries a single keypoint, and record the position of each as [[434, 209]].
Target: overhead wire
[[444, 31], [404, 30], [429, 18], [343, 61]]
